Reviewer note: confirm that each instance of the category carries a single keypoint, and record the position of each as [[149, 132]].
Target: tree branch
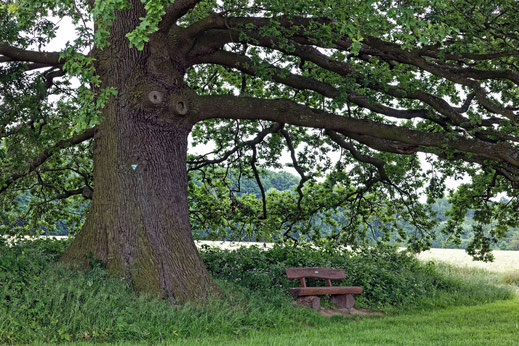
[[175, 11], [213, 40], [214, 31], [18, 54], [247, 65], [253, 142], [46, 154], [232, 107], [253, 161], [297, 167], [379, 164], [218, 21]]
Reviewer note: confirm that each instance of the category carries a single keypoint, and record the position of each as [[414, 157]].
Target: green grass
[[488, 324], [42, 301]]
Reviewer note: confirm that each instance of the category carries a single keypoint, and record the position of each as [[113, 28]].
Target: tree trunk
[[138, 224]]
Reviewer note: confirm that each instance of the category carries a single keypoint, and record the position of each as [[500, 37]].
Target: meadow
[[504, 261], [42, 301]]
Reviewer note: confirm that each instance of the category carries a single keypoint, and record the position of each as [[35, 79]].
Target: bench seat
[[308, 296], [311, 291]]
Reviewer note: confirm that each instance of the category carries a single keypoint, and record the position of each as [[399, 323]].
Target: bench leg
[[343, 300], [313, 302]]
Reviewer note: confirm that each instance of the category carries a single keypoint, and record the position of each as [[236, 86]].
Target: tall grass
[[65, 304], [511, 278], [43, 301]]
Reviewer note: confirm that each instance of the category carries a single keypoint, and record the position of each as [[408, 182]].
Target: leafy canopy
[[443, 75]]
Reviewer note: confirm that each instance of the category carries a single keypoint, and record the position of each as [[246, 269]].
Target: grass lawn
[[42, 301], [488, 324]]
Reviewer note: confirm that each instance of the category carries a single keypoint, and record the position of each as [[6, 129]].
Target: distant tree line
[[275, 182]]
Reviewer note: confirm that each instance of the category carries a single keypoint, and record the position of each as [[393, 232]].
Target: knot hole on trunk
[[155, 97], [179, 106]]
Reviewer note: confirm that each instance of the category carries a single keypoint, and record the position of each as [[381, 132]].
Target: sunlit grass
[[504, 261], [488, 324], [42, 301]]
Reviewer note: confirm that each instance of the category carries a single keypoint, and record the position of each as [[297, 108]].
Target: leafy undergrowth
[[44, 301], [392, 281]]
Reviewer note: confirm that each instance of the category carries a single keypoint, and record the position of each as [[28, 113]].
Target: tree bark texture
[[138, 224]]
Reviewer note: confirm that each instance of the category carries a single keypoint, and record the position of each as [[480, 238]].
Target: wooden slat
[[316, 272], [312, 291]]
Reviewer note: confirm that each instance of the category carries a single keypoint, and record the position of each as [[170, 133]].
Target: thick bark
[[138, 224]]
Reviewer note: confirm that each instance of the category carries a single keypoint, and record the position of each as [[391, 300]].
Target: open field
[[504, 262]]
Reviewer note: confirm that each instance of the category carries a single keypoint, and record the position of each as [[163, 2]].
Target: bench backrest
[[315, 272]]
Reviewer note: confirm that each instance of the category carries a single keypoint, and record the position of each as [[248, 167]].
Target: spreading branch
[[285, 111], [208, 49], [45, 155], [297, 167], [17, 54], [200, 163], [379, 164], [175, 11], [253, 161]]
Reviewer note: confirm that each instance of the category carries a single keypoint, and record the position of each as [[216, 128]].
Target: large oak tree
[[380, 81]]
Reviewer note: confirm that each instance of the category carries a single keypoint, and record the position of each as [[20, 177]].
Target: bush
[[388, 277], [22, 263]]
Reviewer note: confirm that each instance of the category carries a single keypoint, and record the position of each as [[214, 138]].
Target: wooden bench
[[340, 295]]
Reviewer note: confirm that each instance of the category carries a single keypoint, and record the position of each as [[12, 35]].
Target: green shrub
[[22, 264], [388, 277]]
